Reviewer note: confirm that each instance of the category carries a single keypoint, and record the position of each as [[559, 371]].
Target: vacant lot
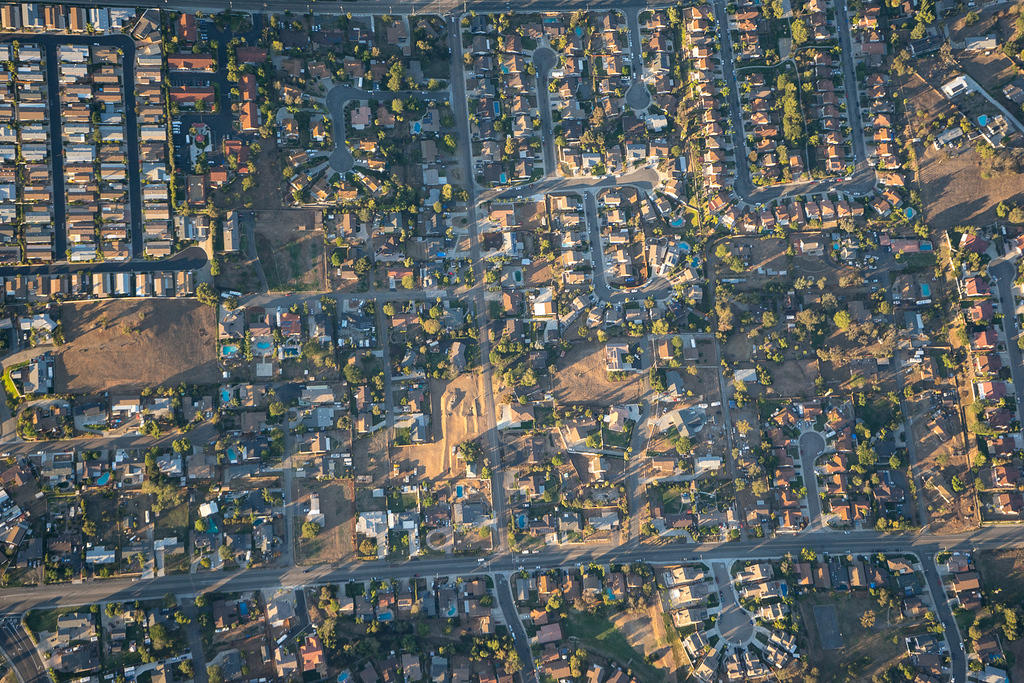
[[596, 634], [644, 631], [1003, 569], [864, 652], [582, 377], [290, 250], [959, 190], [337, 504], [123, 345]]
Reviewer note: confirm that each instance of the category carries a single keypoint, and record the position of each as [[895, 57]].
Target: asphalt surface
[[493, 450], [503, 588], [364, 6], [192, 258], [18, 600], [811, 445], [1004, 273], [19, 652]]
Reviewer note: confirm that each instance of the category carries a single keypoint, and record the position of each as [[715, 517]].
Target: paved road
[[945, 614], [544, 58], [734, 622], [852, 87], [18, 600], [499, 498], [374, 6], [1004, 273], [811, 445], [508, 609], [192, 258], [19, 652], [204, 433]]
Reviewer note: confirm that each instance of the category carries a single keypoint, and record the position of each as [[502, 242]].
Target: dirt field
[[645, 633], [337, 503], [864, 652], [291, 252], [121, 345], [582, 378], [960, 194]]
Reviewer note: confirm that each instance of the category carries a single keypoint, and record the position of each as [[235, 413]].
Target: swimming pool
[[264, 345], [229, 349], [104, 478]]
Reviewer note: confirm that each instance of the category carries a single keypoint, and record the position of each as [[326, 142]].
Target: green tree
[[800, 33], [842, 319], [310, 529], [354, 374]]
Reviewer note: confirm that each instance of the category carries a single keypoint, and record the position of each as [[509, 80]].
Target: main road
[[15, 601]]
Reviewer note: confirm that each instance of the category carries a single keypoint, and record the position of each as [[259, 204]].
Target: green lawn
[[598, 635], [38, 620]]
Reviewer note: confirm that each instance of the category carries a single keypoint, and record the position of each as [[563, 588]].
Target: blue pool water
[[983, 120], [695, 262], [104, 478], [909, 213], [451, 612], [497, 108], [385, 616], [416, 127], [685, 246], [263, 345], [926, 290], [225, 395], [926, 246], [503, 178], [459, 491], [243, 608], [521, 521], [676, 223], [230, 349]]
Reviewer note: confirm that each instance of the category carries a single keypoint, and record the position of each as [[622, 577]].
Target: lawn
[[38, 620], [598, 635], [613, 439]]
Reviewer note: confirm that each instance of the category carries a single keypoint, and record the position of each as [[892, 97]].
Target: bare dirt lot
[[582, 378], [290, 250], [865, 652], [337, 503], [120, 345], [959, 192]]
